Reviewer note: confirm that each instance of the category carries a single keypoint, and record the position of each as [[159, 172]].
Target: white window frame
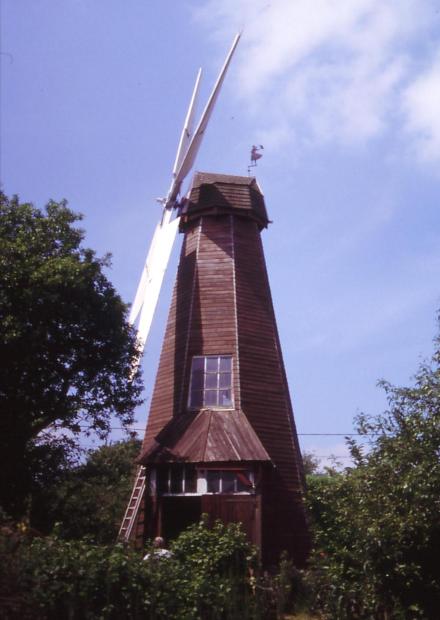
[[248, 472], [217, 390], [202, 483], [184, 492]]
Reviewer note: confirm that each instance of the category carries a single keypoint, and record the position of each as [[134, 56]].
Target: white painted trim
[[212, 407], [202, 485]]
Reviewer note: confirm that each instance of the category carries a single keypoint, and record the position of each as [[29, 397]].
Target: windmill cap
[[219, 194]]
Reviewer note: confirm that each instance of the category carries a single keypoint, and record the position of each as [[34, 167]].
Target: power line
[[318, 456], [142, 430], [332, 456], [120, 428], [339, 434]]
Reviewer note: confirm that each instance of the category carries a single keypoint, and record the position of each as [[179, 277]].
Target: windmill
[[220, 436], [158, 256]]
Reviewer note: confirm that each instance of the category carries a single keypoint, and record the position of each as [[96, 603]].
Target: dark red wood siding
[[242, 509], [265, 397], [222, 305]]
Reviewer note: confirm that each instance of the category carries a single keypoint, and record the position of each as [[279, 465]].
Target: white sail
[[148, 290], [147, 294], [188, 127], [196, 140]]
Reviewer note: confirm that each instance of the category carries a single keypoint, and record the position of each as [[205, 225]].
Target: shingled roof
[[214, 194], [210, 435]]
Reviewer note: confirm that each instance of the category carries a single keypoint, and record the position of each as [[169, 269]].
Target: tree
[[66, 347], [376, 524], [90, 498], [310, 463]]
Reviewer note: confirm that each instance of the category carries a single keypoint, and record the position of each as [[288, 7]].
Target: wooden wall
[[222, 305]]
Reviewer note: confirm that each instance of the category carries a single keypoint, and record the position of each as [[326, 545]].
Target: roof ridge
[[207, 432]]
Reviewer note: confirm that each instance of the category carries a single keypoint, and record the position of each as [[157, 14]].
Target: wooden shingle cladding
[[205, 437], [217, 194], [265, 397], [222, 305]]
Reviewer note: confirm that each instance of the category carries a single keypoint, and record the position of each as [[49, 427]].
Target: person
[[159, 550]]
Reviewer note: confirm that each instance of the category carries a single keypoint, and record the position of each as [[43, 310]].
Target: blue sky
[[345, 98]]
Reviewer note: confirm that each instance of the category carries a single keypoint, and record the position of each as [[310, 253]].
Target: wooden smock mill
[[220, 437]]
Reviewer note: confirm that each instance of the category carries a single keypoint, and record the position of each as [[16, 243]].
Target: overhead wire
[[121, 428], [318, 456]]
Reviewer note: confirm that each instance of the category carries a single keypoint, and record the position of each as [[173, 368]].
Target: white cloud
[[421, 103], [334, 455], [328, 71]]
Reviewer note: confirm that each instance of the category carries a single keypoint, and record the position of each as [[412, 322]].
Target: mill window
[[211, 382], [189, 479], [228, 481], [176, 480]]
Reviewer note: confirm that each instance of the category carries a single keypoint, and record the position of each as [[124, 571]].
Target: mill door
[[178, 513], [244, 509]]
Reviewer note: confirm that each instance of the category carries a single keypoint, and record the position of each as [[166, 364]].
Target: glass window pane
[[211, 381], [198, 363], [176, 479], [162, 479], [225, 364], [243, 482], [210, 398], [213, 478], [190, 479], [224, 399], [225, 380], [197, 380], [211, 364], [196, 398], [228, 482]]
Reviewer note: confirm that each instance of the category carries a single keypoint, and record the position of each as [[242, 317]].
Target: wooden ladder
[[133, 506]]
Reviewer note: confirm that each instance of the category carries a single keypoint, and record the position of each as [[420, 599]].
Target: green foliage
[[64, 334], [377, 529], [89, 499], [289, 589], [310, 463], [206, 577], [216, 566]]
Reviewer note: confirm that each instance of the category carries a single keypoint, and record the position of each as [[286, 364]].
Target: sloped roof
[[207, 436], [212, 194], [200, 178]]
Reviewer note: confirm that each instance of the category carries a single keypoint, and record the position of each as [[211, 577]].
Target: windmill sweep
[[220, 437]]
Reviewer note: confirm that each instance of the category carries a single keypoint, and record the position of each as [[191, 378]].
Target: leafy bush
[[216, 566], [207, 576], [377, 531]]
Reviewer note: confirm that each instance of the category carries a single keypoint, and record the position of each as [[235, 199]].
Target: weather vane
[[255, 156]]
